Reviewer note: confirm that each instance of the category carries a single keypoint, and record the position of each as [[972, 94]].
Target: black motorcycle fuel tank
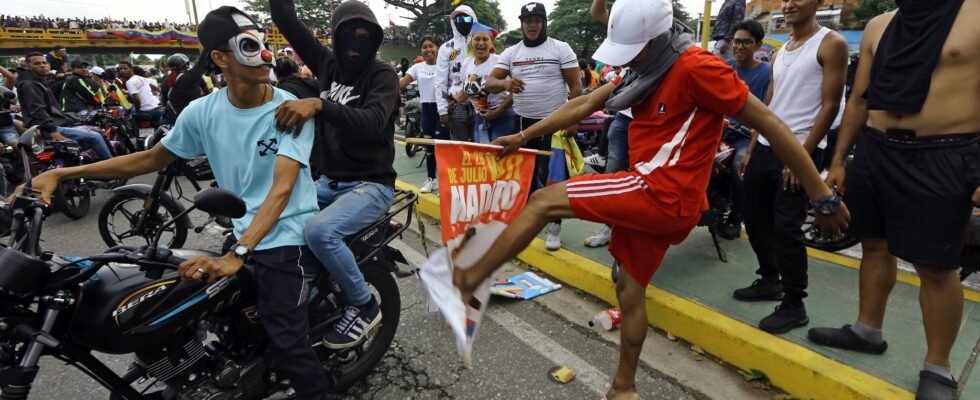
[[123, 311]]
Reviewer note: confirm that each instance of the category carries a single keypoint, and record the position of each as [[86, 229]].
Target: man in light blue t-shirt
[[269, 169]]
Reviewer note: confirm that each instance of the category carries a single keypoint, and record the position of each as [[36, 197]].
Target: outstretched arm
[[313, 53], [570, 113]]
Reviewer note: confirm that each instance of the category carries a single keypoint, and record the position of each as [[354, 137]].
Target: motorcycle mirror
[[221, 202], [30, 138]]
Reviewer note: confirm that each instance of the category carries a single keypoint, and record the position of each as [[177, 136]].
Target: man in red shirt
[[679, 97]]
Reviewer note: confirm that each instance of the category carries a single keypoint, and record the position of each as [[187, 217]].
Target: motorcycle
[[413, 118], [113, 123], [135, 213], [193, 340], [719, 186]]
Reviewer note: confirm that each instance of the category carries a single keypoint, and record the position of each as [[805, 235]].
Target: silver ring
[[201, 271]]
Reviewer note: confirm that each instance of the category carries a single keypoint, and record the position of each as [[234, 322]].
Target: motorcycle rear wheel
[[366, 356], [411, 131], [71, 200]]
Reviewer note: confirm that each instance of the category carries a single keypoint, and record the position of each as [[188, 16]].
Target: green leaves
[[865, 10]]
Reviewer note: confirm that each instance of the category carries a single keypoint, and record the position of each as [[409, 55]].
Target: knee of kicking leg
[[547, 202]]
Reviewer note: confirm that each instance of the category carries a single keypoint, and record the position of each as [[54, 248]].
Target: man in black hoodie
[[354, 147]]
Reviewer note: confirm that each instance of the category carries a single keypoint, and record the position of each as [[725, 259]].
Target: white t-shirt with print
[[424, 75], [140, 87], [540, 69], [479, 73]]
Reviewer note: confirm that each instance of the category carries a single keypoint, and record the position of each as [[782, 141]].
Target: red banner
[[477, 188]]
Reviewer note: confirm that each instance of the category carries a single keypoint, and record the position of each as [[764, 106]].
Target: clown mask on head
[[249, 46]]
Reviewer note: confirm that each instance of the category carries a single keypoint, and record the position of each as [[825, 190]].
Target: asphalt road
[[519, 343]]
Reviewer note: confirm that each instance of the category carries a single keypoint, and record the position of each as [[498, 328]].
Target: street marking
[[585, 373]]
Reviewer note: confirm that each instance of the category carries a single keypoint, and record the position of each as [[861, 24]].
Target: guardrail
[[70, 35]]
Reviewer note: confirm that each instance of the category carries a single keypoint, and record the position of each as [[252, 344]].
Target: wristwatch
[[242, 251], [827, 205]]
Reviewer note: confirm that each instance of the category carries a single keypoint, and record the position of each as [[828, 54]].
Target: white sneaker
[[599, 238], [595, 159], [552, 239], [429, 185]]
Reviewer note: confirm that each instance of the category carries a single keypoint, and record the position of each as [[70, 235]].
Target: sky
[[174, 10]]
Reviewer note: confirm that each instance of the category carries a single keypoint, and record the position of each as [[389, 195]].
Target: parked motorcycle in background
[[412, 114]]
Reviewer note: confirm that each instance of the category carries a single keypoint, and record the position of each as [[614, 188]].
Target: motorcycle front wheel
[[349, 366], [72, 200], [120, 215]]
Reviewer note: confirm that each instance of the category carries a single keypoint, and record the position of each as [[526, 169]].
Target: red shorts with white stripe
[[643, 226]]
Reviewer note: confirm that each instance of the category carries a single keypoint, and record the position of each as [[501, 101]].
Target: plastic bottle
[[607, 320]]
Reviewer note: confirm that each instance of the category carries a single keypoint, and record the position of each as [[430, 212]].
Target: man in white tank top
[[805, 91]]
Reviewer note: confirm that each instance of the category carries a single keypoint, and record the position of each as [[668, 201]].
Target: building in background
[[832, 14]]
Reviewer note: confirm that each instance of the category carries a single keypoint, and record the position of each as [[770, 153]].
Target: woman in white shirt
[[424, 72], [494, 114]]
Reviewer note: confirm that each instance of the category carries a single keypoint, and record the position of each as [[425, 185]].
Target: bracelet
[[523, 139]]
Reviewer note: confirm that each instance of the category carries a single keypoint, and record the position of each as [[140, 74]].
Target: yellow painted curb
[[855, 264], [800, 371]]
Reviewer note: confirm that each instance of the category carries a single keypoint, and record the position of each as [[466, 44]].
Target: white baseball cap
[[96, 70], [632, 23]]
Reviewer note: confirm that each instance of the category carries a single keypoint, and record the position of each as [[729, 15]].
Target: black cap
[[533, 9], [78, 63], [221, 24]]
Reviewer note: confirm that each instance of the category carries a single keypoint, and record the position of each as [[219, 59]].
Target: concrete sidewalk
[[691, 297]]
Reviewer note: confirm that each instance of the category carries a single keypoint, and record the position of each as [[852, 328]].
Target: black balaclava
[[345, 39], [462, 26], [535, 9]]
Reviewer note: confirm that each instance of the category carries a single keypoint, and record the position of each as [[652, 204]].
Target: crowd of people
[[38, 21], [670, 101]]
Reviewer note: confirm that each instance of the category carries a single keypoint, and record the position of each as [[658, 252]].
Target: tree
[[865, 10], [429, 16], [313, 13], [512, 37], [680, 13], [571, 22], [142, 59]]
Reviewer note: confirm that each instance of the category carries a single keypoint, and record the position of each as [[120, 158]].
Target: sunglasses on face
[[743, 42], [463, 18]]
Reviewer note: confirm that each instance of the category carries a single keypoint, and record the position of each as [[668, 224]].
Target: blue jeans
[[345, 209], [618, 158], [488, 131], [8, 134], [88, 139], [432, 128]]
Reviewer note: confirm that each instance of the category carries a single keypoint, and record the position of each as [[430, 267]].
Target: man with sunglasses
[[268, 168], [354, 148], [806, 90], [449, 77]]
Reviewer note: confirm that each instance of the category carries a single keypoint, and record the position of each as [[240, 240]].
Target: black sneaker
[[933, 386], [760, 290], [845, 338], [784, 319], [353, 327], [731, 229]]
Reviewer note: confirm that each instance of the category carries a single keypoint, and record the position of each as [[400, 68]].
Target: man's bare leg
[[544, 206], [941, 300], [877, 278], [631, 296]]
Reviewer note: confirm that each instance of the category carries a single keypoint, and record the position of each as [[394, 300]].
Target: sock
[[866, 332], [938, 370], [368, 304]]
